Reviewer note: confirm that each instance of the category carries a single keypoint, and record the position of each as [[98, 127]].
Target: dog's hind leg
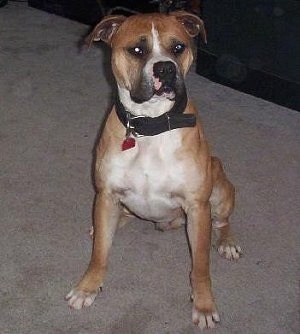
[[106, 217], [172, 225], [222, 205]]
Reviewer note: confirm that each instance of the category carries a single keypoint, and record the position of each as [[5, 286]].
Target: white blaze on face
[[156, 53], [155, 40]]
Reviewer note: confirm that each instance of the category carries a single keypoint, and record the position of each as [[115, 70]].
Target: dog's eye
[[178, 48], [137, 51]]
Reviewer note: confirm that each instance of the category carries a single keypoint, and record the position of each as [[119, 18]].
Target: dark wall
[[87, 11], [91, 11], [253, 45]]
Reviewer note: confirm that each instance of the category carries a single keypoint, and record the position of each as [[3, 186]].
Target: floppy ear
[[105, 29], [192, 24]]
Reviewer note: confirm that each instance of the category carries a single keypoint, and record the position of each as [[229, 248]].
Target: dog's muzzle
[[164, 78]]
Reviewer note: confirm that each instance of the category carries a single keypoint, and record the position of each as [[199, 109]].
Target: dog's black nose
[[165, 71]]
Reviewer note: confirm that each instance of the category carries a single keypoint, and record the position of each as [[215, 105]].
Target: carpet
[[52, 102]]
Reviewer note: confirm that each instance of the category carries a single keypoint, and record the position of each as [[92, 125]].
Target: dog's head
[[151, 53]]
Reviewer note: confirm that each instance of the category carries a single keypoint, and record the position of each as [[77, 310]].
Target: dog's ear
[[192, 24], [105, 29]]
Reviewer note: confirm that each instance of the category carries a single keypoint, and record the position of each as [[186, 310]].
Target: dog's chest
[[148, 178]]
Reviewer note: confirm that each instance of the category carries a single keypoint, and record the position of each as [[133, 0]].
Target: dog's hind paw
[[79, 299], [230, 251]]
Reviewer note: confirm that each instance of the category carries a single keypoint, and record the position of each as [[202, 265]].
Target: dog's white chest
[[147, 178]]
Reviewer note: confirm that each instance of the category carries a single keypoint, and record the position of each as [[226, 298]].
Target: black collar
[[151, 126]]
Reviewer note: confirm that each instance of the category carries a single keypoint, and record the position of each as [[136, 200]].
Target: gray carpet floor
[[52, 101]]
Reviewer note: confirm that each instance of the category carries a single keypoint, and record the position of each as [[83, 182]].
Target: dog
[[152, 159]]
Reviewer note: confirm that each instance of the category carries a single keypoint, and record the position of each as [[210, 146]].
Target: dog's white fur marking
[[156, 51], [149, 177]]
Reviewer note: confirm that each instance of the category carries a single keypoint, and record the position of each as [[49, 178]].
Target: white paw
[[205, 320], [230, 252], [78, 299]]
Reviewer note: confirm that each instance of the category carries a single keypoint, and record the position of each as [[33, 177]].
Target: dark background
[[253, 45]]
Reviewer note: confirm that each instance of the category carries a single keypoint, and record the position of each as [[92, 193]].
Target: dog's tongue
[[157, 84], [162, 90]]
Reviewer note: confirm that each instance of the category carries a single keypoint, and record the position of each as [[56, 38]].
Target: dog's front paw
[[204, 319], [229, 250], [78, 299]]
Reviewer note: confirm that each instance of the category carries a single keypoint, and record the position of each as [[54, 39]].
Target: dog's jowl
[[153, 160]]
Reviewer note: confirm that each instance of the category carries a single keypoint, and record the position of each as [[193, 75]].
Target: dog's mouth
[[157, 88], [163, 89]]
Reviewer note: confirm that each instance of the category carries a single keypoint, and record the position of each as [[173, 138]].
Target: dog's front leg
[[205, 314], [106, 217]]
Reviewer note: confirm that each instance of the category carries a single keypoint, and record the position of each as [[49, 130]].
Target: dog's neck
[[155, 107], [138, 122]]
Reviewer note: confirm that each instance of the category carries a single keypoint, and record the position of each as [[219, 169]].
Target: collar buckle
[[130, 129]]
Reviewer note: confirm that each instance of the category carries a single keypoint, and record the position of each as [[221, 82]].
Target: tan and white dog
[[153, 160]]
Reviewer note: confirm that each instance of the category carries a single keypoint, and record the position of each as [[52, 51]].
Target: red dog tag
[[128, 143]]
